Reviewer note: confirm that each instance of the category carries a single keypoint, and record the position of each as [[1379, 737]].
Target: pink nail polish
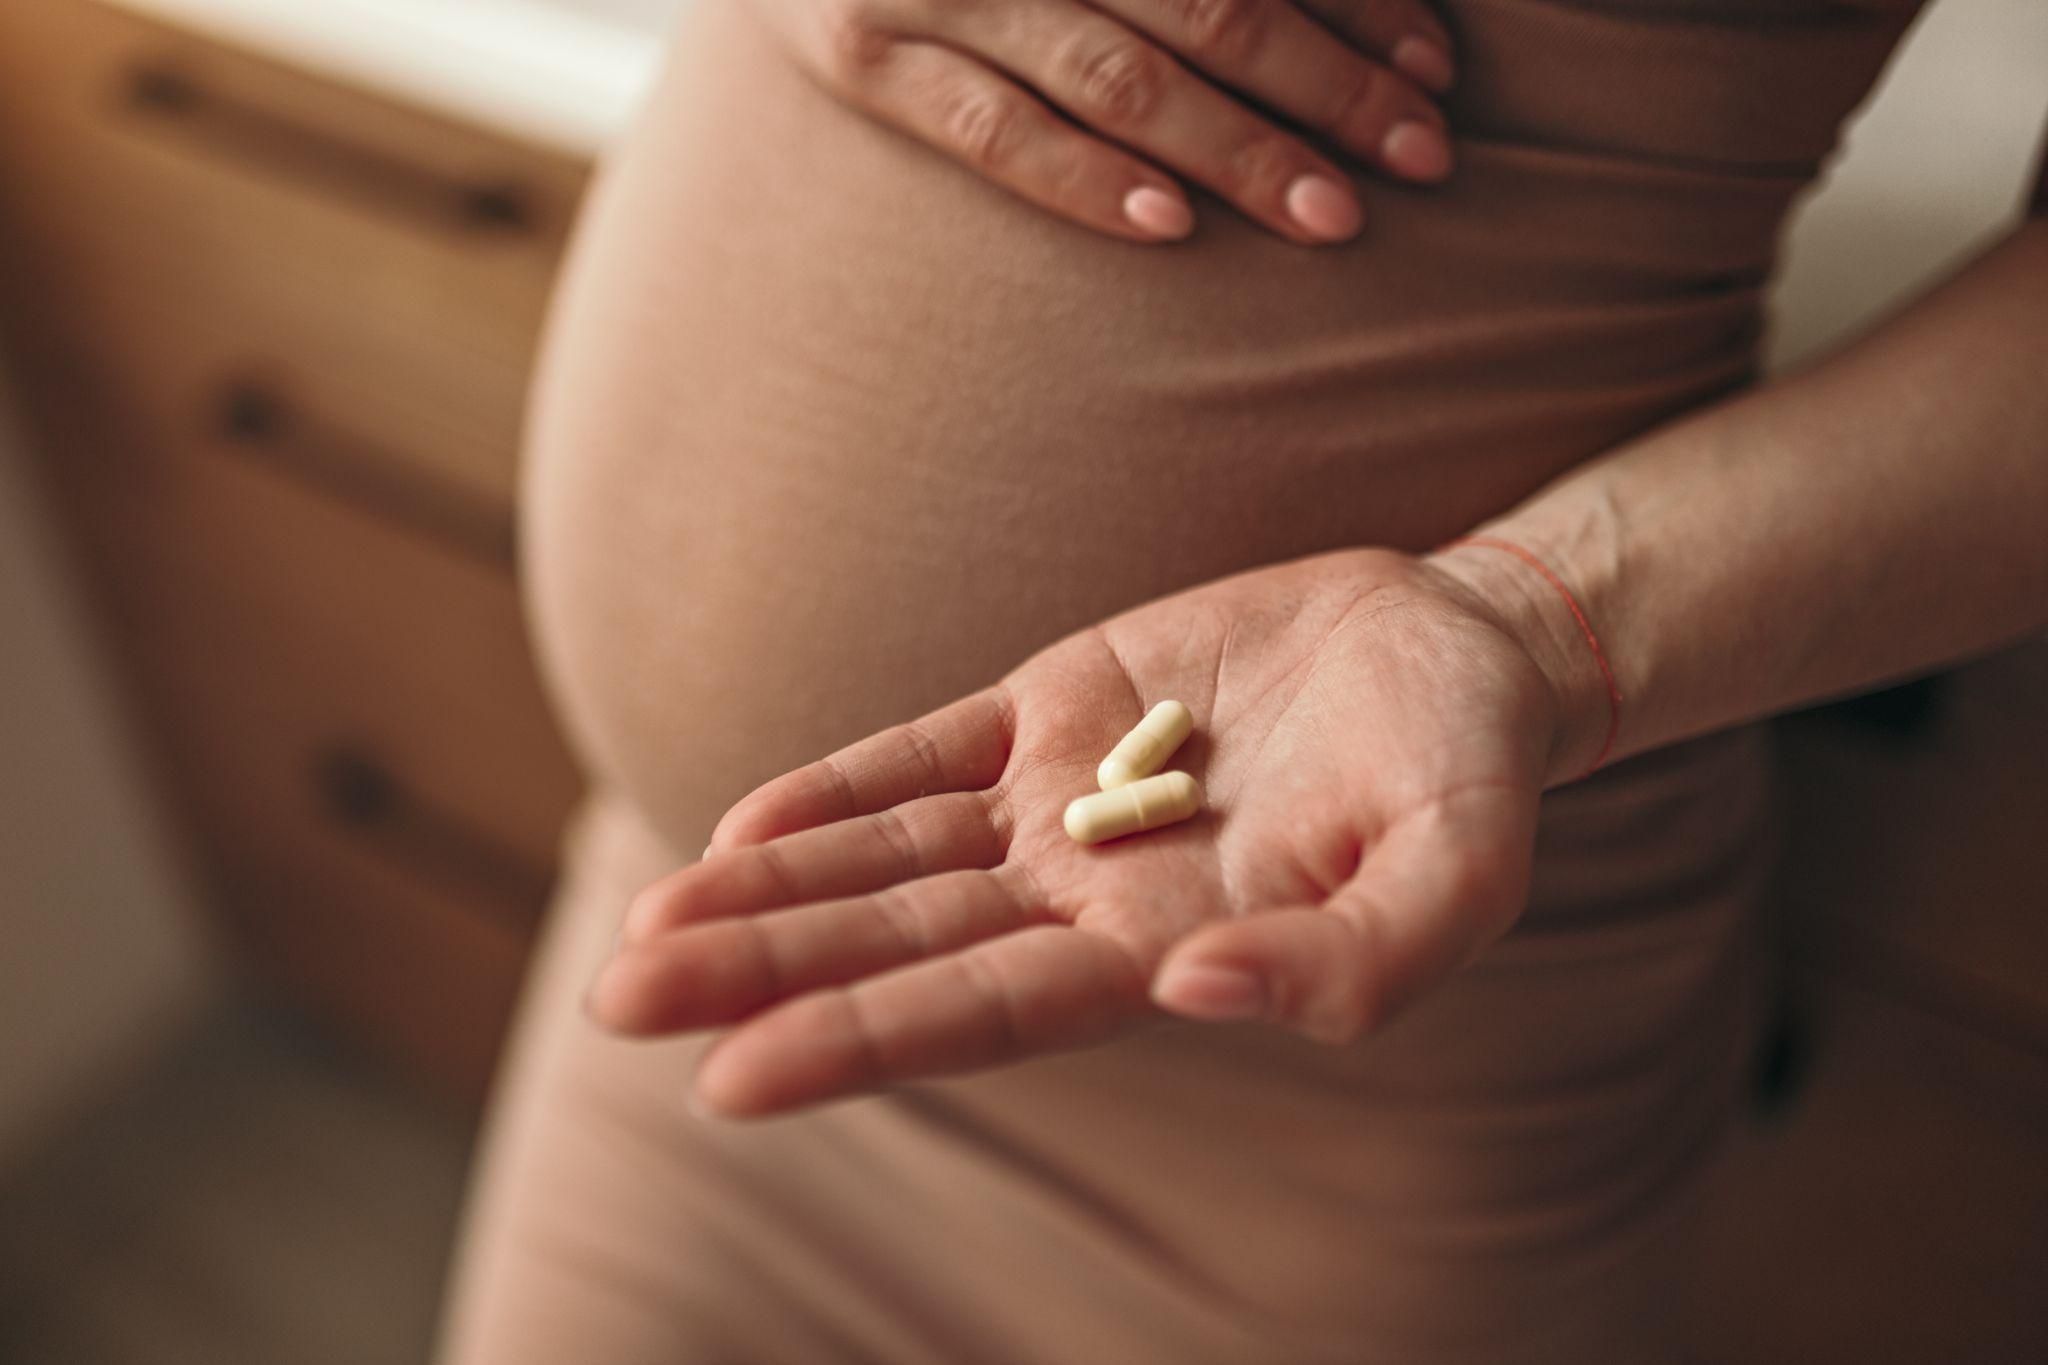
[[1424, 61], [1417, 151], [1323, 208], [1158, 213]]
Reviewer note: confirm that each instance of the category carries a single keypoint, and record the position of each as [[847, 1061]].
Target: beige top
[[832, 432]]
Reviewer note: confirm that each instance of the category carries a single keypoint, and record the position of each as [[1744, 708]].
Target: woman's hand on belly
[[1142, 82], [1372, 745]]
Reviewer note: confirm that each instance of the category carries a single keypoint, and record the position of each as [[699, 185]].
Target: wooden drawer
[[301, 653], [276, 336], [393, 963], [344, 718], [172, 382], [387, 264]]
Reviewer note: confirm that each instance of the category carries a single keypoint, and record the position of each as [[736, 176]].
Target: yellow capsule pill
[[1146, 748], [1148, 803]]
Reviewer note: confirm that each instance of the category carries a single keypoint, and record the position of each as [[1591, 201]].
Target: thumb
[[1439, 886]]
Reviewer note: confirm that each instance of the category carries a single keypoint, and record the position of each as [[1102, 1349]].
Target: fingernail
[[1324, 208], [1417, 151], [1425, 61], [1216, 994], [1158, 213]]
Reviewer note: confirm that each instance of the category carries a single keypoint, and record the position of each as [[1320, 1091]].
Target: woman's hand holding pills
[[1369, 742], [1092, 109]]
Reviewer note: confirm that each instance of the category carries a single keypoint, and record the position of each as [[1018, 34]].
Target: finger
[[999, 130], [958, 748], [1407, 33], [1439, 886], [725, 970], [1039, 990], [1111, 79], [848, 858], [1274, 52]]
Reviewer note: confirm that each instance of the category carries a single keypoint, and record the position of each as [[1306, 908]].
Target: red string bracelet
[[1585, 629]]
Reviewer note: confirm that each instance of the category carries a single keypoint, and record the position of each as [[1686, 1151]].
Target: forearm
[[1878, 514]]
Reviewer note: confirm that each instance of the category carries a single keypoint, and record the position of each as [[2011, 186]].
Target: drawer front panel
[[168, 380], [407, 971], [397, 267], [302, 655]]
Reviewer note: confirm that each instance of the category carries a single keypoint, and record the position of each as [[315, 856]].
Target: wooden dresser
[[274, 335]]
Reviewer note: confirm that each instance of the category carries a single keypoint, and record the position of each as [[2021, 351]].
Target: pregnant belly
[[829, 432]]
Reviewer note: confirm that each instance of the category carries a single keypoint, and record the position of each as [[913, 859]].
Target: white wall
[[1935, 165], [98, 955]]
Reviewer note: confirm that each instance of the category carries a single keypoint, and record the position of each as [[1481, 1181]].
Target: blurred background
[[279, 793]]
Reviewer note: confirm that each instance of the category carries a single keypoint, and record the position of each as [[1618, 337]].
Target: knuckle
[[982, 127], [902, 844], [992, 983], [774, 865], [1260, 165], [1119, 81], [1353, 108], [906, 924], [1221, 30], [918, 736], [852, 38], [1070, 174]]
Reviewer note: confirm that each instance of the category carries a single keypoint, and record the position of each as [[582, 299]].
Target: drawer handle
[[271, 142], [364, 798], [255, 419]]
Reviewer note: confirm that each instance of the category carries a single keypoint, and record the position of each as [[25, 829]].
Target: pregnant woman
[[900, 441]]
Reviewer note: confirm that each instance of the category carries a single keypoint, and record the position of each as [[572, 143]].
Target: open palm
[[1371, 746]]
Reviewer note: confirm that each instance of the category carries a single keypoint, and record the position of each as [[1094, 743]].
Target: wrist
[[1520, 592]]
